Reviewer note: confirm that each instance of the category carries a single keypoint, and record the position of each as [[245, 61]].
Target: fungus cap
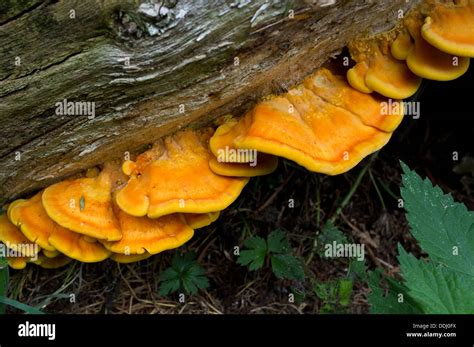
[[369, 108], [14, 239], [401, 46], [84, 205], [200, 220], [180, 180], [429, 62], [450, 28], [52, 263], [384, 74], [264, 164], [356, 77], [18, 263], [131, 258], [304, 128], [33, 221], [145, 235], [78, 246]]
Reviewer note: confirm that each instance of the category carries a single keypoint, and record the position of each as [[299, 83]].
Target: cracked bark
[[103, 52]]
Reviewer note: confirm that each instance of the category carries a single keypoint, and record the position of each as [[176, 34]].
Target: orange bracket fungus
[[84, 205], [450, 28], [200, 220], [145, 235], [131, 258], [78, 246], [373, 110], [30, 216], [302, 126], [377, 70], [14, 240], [402, 45], [18, 263], [264, 164], [179, 180], [429, 62], [52, 262]]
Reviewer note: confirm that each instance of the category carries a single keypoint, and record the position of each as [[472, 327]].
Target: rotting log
[[150, 69]]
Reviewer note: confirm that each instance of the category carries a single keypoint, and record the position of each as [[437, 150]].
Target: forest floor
[[427, 145]]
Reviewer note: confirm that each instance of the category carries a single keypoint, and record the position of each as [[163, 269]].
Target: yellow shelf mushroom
[[47, 262], [14, 239], [179, 180], [84, 205], [300, 125], [377, 70], [127, 259], [30, 216], [145, 235], [200, 220], [450, 28], [429, 62]]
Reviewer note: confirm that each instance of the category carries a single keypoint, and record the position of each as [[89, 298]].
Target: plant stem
[[377, 190], [353, 189]]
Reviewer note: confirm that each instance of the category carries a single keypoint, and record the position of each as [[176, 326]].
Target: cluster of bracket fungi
[[129, 211]]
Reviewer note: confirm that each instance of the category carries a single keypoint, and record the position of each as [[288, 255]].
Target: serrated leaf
[[287, 266], [254, 256], [388, 303], [439, 223], [277, 242], [436, 288], [256, 242], [185, 274], [169, 286], [169, 274]]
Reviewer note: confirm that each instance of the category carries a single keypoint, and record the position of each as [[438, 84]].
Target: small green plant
[[184, 274], [444, 281], [335, 295], [275, 249]]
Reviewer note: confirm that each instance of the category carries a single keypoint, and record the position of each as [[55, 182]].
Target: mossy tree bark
[[150, 68]]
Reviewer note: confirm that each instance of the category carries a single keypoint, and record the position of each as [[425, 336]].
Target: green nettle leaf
[[394, 299], [444, 282], [287, 266], [185, 274], [436, 288], [277, 242], [443, 227], [254, 256]]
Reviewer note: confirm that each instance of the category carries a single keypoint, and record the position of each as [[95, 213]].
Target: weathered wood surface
[[149, 74]]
